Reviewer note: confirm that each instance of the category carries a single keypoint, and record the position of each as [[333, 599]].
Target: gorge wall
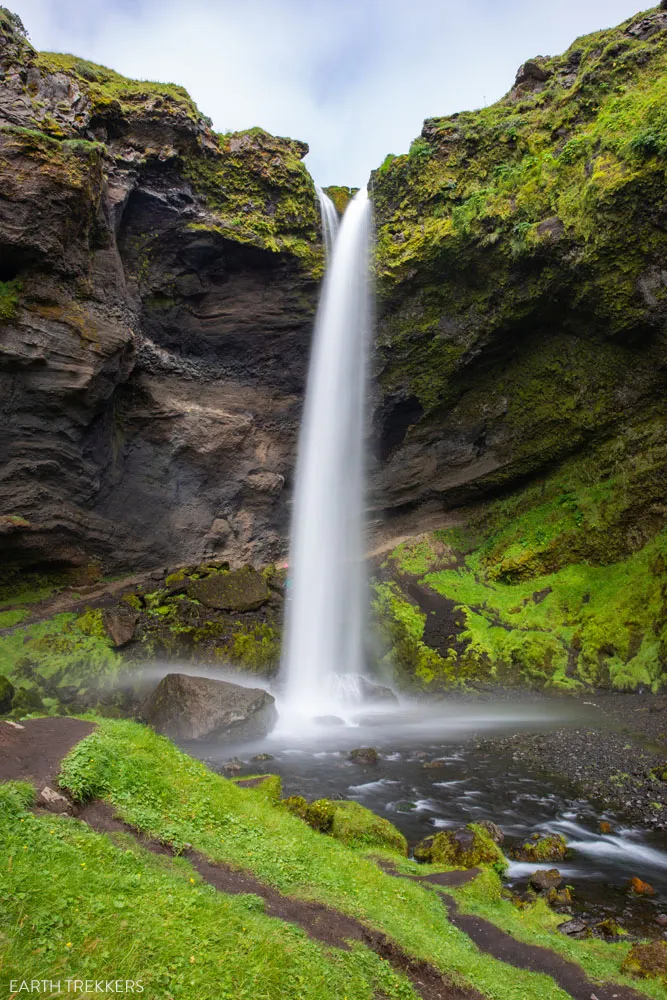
[[157, 288], [158, 283]]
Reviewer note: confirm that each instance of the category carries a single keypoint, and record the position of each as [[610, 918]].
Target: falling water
[[327, 597], [329, 217]]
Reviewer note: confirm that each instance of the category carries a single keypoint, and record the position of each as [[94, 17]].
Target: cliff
[[157, 286], [522, 362]]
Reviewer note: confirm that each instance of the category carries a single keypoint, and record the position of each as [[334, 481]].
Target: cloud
[[354, 78]]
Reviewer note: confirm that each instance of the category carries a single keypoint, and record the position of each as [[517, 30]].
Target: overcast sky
[[354, 78]]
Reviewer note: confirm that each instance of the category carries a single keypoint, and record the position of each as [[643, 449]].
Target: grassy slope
[[76, 904], [549, 592], [171, 796]]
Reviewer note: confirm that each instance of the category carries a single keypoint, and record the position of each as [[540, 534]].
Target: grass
[[169, 795], [74, 903]]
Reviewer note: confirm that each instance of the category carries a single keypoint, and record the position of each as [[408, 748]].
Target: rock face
[[522, 365], [191, 708], [157, 286]]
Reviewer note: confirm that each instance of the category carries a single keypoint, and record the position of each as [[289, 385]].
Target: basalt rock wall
[[157, 289]]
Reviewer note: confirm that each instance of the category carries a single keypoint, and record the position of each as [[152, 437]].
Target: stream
[[473, 780]]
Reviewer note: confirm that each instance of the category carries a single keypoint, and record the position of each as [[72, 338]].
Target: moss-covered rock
[[647, 961], [357, 826], [349, 822], [544, 847], [239, 590], [467, 847]]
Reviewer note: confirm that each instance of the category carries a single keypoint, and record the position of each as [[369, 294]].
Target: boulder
[[26, 701], [466, 847], [543, 880], [546, 847], [375, 693], [7, 692], [234, 590], [647, 961], [493, 830], [640, 888], [191, 708], [119, 623], [576, 928], [54, 801], [363, 755]]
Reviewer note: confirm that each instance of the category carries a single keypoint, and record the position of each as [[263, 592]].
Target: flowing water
[[474, 779], [326, 606]]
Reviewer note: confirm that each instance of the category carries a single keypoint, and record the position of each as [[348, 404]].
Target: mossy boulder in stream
[[467, 847], [547, 847]]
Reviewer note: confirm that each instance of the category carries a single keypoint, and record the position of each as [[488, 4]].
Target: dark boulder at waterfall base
[[191, 708]]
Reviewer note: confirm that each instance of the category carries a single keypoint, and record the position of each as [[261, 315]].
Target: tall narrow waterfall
[[326, 604]]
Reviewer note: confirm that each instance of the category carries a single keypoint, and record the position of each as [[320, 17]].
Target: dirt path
[[494, 941], [33, 751]]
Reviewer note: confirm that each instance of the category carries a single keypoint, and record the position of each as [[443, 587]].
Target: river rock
[[372, 692], [493, 830], [574, 928], [191, 708], [466, 847], [547, 847], [543, 880], [236, 590], [363, 755]]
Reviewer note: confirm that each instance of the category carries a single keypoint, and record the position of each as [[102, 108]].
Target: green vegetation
[[109, 92], [251, 173], [77, 904], [170, 796], [10, 294], [560, 584], [340, 196], [64, 651]]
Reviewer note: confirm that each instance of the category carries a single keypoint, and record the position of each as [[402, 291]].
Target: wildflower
[[69, 944]]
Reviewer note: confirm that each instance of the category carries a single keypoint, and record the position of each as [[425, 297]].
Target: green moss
[[63, 650], [340, 196], [10, 618], [260, 193], [10, 294], [108, 91], [560, 584], [256, 648], [549, 847], [466, 848], [357, 826], [518, 254]]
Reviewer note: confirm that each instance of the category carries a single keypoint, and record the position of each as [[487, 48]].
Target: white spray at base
[[326, 606]]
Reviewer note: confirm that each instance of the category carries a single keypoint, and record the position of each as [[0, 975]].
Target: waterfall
[[329, 217], [326, 605]]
